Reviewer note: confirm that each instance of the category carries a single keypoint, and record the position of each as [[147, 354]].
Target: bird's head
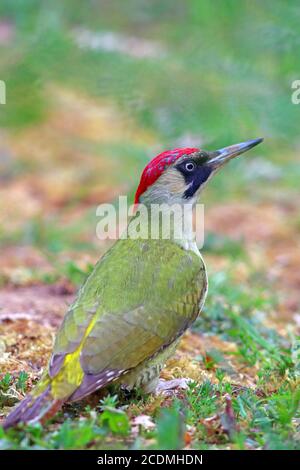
[[179, 175]]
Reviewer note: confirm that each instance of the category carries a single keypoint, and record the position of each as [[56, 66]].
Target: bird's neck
[[165, 222]]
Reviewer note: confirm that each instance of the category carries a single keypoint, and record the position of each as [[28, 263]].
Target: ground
[[88, 105]]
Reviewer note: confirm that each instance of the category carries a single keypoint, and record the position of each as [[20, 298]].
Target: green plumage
[[141, 296], [124, 324]]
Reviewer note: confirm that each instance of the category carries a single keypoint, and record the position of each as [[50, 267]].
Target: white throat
[[188, 240]]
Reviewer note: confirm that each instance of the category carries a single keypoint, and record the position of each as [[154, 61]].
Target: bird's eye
[[190, 166]]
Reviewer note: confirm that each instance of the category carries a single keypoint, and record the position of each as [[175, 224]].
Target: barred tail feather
[[31, 409]]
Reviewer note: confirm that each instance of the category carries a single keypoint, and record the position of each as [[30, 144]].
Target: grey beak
[[225, 154]]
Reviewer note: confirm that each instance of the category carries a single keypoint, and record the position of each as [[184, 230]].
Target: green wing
[[140, 297]]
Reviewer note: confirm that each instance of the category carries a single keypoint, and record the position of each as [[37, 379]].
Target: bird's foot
[[168, 387], [127, 393]]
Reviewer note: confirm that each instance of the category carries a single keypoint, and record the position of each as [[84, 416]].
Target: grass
[[200, 418], [208, 415], [78, 127]]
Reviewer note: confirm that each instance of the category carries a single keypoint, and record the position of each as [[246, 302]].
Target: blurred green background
[[96, 88]]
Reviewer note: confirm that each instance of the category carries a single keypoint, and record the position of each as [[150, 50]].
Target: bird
[[142, 295]]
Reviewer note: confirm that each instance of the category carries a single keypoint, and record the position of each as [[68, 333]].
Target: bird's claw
[[167, 387]]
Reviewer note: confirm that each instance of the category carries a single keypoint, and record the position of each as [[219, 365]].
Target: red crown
[[156, 167]]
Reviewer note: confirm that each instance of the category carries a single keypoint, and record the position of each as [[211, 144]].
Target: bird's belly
[[146, 375]]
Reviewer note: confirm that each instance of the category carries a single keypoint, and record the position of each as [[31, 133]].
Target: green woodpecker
[[142, 295]]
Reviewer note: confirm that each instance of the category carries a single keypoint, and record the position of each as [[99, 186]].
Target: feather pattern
[[147, 294], [140, 297]]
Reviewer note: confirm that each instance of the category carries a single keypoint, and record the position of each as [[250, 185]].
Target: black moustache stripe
[[195, 179]]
